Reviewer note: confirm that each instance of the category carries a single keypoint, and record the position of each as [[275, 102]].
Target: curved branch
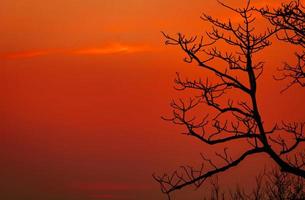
[[182, 182]]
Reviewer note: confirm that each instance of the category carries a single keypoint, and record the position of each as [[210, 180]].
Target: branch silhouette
[[269, 185], [245, 124], [290, 18]]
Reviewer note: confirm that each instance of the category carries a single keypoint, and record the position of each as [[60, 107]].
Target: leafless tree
[[290, 17], [231, 91]]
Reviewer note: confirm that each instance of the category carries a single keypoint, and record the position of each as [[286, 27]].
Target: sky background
[[83, 86]]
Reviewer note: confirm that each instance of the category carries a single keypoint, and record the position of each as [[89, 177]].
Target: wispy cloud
[[108, 190], [109, 197], [112, 49], [104, 186], [104, 196], [115, 48], [24, 54]]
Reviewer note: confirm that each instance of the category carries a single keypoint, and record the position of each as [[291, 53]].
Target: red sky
[[83, 86]]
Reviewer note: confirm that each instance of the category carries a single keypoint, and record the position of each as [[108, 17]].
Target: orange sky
[[83, 86]]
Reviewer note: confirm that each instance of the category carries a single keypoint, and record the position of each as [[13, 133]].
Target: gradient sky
[[83, 86]]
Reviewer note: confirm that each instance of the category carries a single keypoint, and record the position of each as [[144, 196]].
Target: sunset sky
[[84, 83]]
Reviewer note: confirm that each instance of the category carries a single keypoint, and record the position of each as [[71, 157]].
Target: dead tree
[[290, 18], [236, 118]]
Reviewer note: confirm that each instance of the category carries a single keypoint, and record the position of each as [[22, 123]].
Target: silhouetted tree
[[290, 18], [231, 91]]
